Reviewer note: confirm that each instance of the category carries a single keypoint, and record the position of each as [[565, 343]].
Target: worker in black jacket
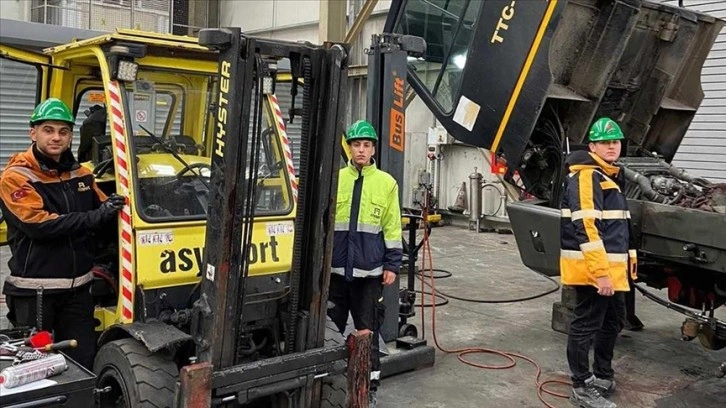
[[51, 204]]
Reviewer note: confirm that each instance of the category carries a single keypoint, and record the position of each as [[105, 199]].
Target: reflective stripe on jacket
[[367, 237], [594, 229]]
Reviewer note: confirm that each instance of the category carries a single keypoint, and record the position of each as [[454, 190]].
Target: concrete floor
[[653, 367]]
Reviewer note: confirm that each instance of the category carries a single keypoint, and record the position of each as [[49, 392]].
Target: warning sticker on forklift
[[96, 97], [281, 228], [466, 112], [155, 238], [141, 116]]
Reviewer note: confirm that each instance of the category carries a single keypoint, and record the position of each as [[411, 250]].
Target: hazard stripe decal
[[285, 144], [126, 257]]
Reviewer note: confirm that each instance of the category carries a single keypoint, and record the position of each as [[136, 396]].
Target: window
[[447, 26]]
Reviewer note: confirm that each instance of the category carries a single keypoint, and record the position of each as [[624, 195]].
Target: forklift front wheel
[[136, 376]]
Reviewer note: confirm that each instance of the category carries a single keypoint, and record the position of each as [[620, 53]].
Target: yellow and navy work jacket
[[594, 226], [367, 237], [47, 205]]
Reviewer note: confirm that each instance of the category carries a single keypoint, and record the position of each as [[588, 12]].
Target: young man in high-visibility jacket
[[367, 247], [596, 259]]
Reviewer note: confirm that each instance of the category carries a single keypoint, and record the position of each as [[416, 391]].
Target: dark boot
[[605, 387], [589, 397]]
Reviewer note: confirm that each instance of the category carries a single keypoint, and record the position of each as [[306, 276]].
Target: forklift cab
[[145, 105]]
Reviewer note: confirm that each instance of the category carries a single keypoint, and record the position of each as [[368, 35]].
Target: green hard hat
[[51, 109], [361, 130], [605, 129]]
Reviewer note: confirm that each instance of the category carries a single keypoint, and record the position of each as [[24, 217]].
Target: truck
[[526, 79]]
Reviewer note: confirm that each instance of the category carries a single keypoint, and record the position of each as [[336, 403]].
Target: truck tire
[[334, 392], [137, 377]]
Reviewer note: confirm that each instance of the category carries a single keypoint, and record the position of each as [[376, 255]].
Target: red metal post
[[195, 390], [359, 368]]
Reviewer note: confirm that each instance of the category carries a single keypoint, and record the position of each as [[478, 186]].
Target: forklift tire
[[334, 392], [136, 376]]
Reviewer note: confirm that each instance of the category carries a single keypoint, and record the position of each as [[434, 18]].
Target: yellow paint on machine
[[174, 256], [523, 75]]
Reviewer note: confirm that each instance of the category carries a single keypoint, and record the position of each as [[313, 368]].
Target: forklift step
[[402, 360], [409, 342]]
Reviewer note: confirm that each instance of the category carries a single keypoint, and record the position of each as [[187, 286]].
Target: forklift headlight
[[127, 71]]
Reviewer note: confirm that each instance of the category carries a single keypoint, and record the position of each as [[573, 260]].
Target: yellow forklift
[[157, 126]]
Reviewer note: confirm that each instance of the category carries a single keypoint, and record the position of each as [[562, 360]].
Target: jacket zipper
[[68, 209], [27, 257], [353, 223]]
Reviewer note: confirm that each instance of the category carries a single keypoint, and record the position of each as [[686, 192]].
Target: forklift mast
[[385, 110], [246, 77]]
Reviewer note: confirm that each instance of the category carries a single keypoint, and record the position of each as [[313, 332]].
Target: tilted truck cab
[[527, 79]]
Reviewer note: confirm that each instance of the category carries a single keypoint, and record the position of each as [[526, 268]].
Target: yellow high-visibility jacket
[[594, 226], [367, 237]]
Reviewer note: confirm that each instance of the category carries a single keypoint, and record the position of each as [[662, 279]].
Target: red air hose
[[462, 352]]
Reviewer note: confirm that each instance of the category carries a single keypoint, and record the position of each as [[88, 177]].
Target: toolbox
[[72, 388]]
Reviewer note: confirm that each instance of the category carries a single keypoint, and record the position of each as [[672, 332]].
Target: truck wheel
[[136, 376]]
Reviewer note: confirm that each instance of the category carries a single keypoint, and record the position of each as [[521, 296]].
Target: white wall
[[15, 9], [280, 19], [418, 122], [704, 146]]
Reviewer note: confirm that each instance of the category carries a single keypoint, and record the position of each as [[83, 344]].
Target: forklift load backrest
[[519, 77]]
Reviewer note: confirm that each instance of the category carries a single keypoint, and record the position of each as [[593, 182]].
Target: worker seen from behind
[[595, 259], [367, 248], [51, 205]]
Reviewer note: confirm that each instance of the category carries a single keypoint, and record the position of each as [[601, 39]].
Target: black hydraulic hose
[[444, 301], [645, 187], [682, 310], [301, 194], [491, 301], [249, 205], [682, 174]]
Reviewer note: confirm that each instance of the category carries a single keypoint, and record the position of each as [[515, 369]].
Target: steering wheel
[[193, 166], [155, 210]]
